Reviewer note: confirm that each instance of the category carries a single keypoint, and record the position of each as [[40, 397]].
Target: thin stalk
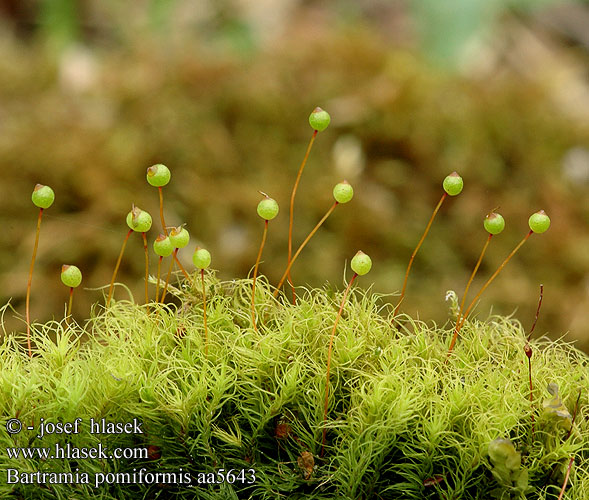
[[186, 275], [427, 228], [114, 274], [168, 276], [157, 283], [329, 350], [299, 250], [162, 211], [146, 267], [291, 212], [566, 478], [476, 268], [461, 321], [27, 302], [69, 306], [204, 311], [256, 274], [528, 351]]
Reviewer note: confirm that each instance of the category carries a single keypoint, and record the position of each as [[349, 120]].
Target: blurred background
[[94, 92]]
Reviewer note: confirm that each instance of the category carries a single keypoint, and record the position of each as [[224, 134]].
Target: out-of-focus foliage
[[449, 29], [222, 97]]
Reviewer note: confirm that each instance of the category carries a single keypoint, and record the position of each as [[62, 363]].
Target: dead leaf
[[306, 462]]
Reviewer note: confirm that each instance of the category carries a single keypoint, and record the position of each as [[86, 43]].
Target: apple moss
[[404, 421]]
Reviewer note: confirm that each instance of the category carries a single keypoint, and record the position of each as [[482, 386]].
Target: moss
[[404, 421]]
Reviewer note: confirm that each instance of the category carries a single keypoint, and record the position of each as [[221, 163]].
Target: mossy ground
[[401, 416]]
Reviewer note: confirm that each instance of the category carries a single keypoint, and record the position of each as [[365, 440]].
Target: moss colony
[[404, 421]]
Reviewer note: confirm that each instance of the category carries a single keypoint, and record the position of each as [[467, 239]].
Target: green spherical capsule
[[361, 263], [268, 209], [162, 246], [179, 237], [201, 258], [71, 276], [453, 184], [539, 222], [319, 119], [158, 175], [494, 223], [139, 220], [43, 196], [343, 192]]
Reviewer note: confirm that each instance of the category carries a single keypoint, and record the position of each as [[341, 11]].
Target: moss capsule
[[139, 220], [162, 246], [539, 222], [453, 184], [361, 263], [158, 175], [494, 223], [319, 119], [43, 196], [343, 192], [179, 237], [268, 209], [201, 258], [71, 276]]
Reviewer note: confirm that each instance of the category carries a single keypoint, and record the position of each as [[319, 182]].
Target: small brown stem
[[427, 228], [146, 267], [461, 321], [528, 352], [291, 212], [204, 311], [300, 249], [537, 313], [186, 275], [157, 283], [27, 302], [69, 306], [329, 350], [566, 478], [162, 210], [474, 271], [256, 274], [168, 276], [114, 274], [292, 287]]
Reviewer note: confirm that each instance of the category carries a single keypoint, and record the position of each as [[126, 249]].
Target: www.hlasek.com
[[69, 452]]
